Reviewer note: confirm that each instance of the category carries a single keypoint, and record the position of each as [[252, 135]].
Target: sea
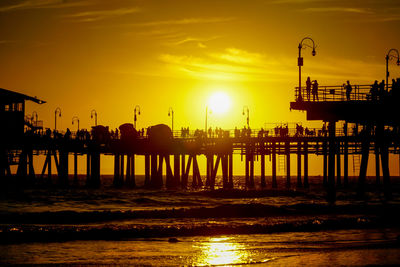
[[45, 224]]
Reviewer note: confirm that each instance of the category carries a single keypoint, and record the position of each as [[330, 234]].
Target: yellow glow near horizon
[[219, 102]]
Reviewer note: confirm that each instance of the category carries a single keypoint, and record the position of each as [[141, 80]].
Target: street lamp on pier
[[57, 111], [205, 129], [94, 113], [75, 118], [300, 60], [136, 112], [244, 112], [171, 114], [388, 57]]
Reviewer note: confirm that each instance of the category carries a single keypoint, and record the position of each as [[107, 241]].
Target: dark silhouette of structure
[[376, 116]]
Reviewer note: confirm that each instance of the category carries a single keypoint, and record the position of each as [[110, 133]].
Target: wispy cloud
[[231, 64], [185, 21], [35, 4], [338, 9], [88, 16]]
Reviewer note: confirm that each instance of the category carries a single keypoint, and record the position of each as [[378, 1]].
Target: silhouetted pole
[[388, 57], [136, 112], [95, 116], [35, 115], [75, 118], [206, 120], [300, 61], [246, 109], [57, 111], [171, 114]]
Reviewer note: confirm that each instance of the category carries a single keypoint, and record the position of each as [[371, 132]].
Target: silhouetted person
[[381, 91], [315, 90], [349, 88], [374, 91], [308, 88]]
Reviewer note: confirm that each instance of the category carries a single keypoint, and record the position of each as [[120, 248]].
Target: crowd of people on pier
[[377, 91]]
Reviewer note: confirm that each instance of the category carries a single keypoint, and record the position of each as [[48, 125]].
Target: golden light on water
[[219, 102], [221, 251]]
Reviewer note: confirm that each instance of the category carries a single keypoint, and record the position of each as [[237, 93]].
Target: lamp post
[[136, 112], [388, 57], [171, 114], [35, 115], [205, 129], [57, 111], [75, 118], [246, 109], [300, 60], [94, 112]]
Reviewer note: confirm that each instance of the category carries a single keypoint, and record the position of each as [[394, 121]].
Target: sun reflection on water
[[221, 251]]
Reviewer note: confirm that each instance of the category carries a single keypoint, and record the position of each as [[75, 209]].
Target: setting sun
[[219, 102]]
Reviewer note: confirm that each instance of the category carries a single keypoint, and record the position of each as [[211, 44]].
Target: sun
[[219, 102]]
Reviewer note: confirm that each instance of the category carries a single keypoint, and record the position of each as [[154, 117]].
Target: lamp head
[[313, 52], [169, 114]]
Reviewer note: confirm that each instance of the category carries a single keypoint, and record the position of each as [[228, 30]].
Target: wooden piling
[[331, 161], [306, 184], [299, 183], [230, 175], [273, 155], [338, 167], [287, 152]]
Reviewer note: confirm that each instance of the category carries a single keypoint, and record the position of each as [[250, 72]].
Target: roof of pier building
[[8, 97]]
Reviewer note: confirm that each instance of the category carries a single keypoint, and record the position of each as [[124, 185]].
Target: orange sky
[[112, 55]]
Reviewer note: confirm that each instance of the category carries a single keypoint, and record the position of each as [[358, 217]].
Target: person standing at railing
[[374, 91], [315, 90], [381, 92], [349, 88], [308, 88]]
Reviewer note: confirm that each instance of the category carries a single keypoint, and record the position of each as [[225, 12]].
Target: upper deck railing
[[338, 93]]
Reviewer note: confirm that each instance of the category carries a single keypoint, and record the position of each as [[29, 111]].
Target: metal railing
[[337, 93]]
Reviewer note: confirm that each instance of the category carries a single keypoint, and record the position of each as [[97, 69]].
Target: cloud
[[185, 21], [231, 64], [36, 4], [88, 16], [338, 9]]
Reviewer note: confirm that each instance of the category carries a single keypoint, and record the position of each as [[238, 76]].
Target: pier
[[171, 158]]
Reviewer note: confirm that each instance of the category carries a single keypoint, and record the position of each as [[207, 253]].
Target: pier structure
[[170, 159], [359, 105]]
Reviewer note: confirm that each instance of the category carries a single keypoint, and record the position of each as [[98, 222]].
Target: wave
[[52, 233], [221, 211]]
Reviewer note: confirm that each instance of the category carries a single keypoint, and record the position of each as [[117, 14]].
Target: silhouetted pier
[[370, 126]]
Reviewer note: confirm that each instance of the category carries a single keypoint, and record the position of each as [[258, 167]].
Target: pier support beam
[[263, 182], [325, 163], [75, 168], [177, 171], [306, 184], [274, 181], [146, 170], [287, 152], [230, 174], [377, 165], [299, 183], [331, 161], [365, 143], [345, 157], [338, 167]]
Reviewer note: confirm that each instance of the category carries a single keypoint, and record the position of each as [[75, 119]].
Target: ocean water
[[42, 224]]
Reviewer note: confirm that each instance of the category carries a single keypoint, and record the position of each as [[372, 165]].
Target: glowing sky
[[112, 55]]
